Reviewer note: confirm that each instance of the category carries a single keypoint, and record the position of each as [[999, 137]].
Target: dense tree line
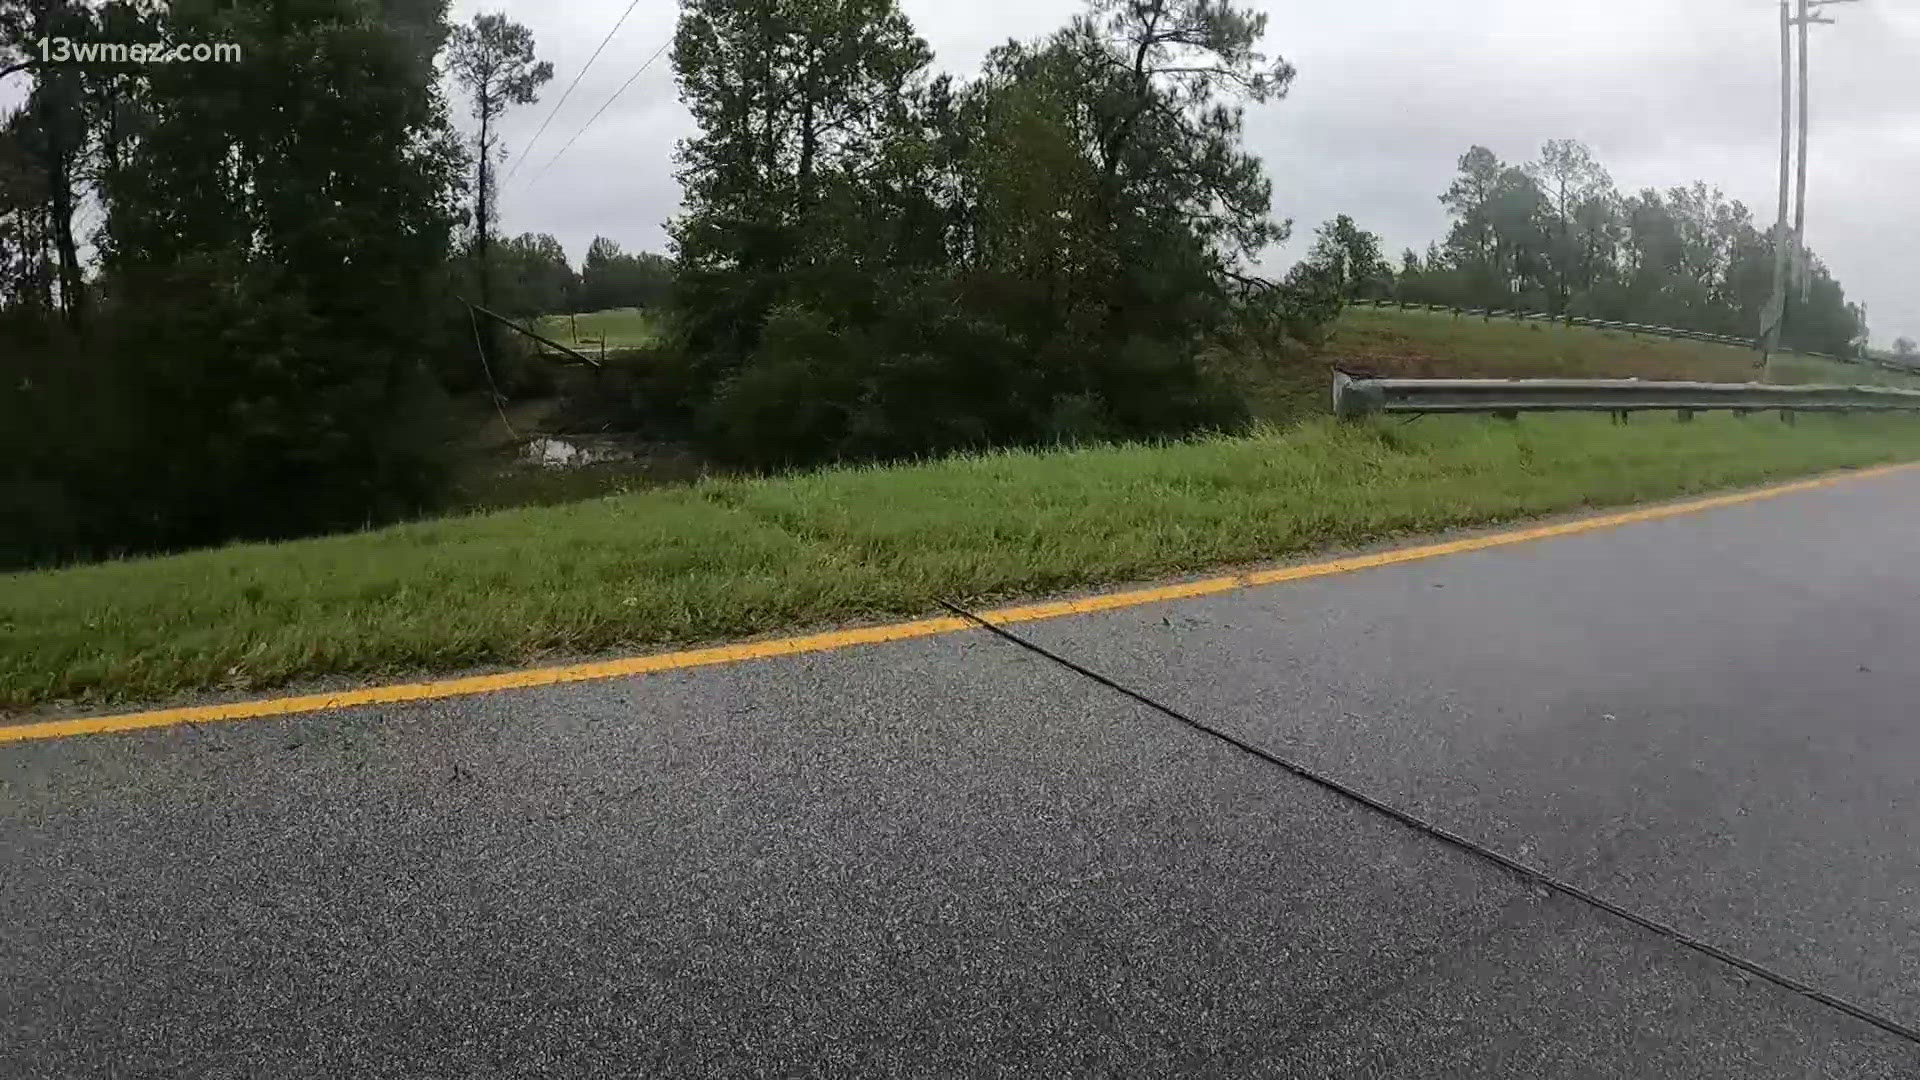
[[228, 291], [612, 278], [1555, 235], [533, 277], [875, 261], [218, 280]]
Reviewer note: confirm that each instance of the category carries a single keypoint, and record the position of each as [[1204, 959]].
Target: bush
[[195, 414]]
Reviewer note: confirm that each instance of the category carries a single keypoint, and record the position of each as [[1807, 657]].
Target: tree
[[873, 262], [535, 277], [26, 246], [1180, 58], [788, 95], [1579, 196], [269, 280], [1142, 244], [492, 58], [57, 131], [1470, 243], [16, 53], [1345, 263], [1905, 349], [1500, 237], [610, 278]]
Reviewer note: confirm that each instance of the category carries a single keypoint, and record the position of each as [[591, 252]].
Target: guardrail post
[[1351, 399], [1788, 417], [1685, 415]]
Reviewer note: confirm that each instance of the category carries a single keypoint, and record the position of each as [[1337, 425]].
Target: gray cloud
[[1390, 93]]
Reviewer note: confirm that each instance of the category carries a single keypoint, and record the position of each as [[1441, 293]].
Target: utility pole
[[1774, 319], [1800, 266], [1802, 261]]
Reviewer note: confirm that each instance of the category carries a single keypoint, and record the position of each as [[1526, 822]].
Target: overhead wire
[[635, 77], [555, 111]]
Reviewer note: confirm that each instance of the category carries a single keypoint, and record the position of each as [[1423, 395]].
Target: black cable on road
[[1418, 824]]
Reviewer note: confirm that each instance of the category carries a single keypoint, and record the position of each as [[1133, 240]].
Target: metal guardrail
[[1354, 396]]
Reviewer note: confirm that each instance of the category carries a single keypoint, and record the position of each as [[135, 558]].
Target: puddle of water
[[555, 453]]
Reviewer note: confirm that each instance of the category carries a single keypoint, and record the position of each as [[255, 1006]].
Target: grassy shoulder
[[728, 558]]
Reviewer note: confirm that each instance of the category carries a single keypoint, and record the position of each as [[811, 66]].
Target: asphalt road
[[951, 857]]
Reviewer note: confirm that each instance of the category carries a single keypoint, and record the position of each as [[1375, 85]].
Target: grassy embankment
[[1420, 344], [1385, 341], [725, 558]]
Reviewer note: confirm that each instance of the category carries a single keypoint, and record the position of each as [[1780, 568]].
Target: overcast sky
[[1389, 94]]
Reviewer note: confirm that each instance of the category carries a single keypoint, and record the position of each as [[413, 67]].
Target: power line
[[551, 113], [616, 96], [1438, 832]]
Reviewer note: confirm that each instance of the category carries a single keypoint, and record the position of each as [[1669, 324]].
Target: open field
[[731, 557], [623, 328]]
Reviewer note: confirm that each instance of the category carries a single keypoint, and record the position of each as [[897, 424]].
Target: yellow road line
[[842, 639]]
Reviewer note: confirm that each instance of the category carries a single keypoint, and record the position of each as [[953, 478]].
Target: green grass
[[725, 558], [490, 485], [623, 328]]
